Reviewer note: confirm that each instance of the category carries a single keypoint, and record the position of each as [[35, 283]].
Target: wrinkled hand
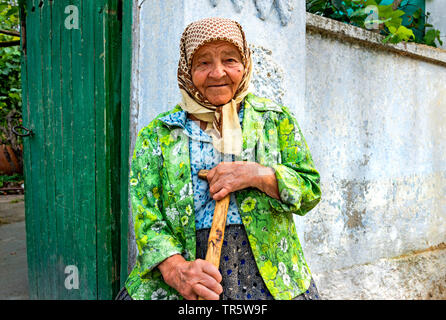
[[192, 279], [228, 177]]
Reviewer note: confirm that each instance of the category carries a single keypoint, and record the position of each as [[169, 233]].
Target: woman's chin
[[219, 100], [218, 96]]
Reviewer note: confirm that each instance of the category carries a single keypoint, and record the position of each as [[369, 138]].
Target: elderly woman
[[255, 152]]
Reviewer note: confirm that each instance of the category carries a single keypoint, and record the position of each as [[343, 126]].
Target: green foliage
[[10, 85], [12, 178], [9, 10], [431, 35], [399, 34], [383, 19]]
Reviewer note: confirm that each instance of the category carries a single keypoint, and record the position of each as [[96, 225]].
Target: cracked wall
[[375, 123]]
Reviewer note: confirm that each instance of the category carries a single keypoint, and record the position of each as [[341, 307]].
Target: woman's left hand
[[228, 177]]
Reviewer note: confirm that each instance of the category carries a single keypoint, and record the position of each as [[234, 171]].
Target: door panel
[[71, 80]]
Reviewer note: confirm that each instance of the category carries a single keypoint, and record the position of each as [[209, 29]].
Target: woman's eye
[[200, 64]]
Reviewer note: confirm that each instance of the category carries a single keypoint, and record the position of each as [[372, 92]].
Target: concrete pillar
[[275, 30]]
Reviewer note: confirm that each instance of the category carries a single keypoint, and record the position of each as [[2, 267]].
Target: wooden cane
[[217, 233]]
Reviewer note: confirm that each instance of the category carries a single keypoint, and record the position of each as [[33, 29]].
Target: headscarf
[[222, 121]]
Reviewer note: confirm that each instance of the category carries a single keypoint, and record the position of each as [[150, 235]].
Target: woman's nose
[[217, 71]]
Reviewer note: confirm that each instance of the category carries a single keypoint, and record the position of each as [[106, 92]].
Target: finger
[[210, 174], [204, 292], [210, 283], [216, 287], [221, 194], [191, 296], [227, 181], [216, 185], [215, 172], [210, 269]]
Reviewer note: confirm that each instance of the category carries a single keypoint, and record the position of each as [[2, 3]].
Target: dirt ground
[[12, 208], [13, 263]]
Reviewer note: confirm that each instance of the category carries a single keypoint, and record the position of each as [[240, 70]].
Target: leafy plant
[[377, 17], [10, 84], [14, 178], [432, 35]]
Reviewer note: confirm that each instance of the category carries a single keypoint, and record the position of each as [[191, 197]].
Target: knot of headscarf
[[222, 121]]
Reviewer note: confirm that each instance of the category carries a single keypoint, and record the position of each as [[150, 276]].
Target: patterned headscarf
[[222, 121]]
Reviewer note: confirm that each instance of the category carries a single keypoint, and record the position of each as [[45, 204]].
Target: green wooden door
[[72, 86]]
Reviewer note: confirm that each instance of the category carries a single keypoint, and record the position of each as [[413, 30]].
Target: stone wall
[[375, 120]]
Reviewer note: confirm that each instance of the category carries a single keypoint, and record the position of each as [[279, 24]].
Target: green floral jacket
[[163, 206]]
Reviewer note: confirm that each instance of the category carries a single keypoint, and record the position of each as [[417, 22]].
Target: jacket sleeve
[[154, 238], [297, 179]]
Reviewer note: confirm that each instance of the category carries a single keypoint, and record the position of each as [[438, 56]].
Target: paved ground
[[13, 265]]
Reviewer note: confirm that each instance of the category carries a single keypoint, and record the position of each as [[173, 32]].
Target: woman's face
[[217, 71]]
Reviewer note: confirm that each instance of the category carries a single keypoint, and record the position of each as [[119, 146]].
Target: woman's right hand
[[192, 279]]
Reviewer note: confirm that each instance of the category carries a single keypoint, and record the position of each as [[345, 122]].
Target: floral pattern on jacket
[[163, 206]]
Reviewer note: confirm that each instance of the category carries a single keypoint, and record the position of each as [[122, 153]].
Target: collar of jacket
[[172, 139], [177, 116]]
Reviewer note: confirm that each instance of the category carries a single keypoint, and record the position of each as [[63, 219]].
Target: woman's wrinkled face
[[217, 71]]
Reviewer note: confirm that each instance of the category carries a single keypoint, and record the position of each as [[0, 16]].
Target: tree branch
[[10, 32], [9, 43]]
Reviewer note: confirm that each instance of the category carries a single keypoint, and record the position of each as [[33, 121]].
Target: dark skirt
[[241, 279]]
